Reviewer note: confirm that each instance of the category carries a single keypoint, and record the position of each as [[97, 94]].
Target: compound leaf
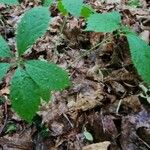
[[9, 2], [47, 75], [140, 52], [33, 25], [4, 67], [24, 95], [73, 6], [106, 22], [47, 3], [4, 48]]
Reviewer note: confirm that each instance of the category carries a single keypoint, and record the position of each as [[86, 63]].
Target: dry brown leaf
[[95, 38], [95, 73], [17, 141], [121, 74], [132, 102], [97, 146], [89, 96], [109, 126], [117, 87]]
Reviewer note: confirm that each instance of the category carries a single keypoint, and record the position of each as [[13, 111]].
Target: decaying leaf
[[97, 146]]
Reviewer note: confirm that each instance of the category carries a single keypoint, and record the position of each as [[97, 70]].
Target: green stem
[[88, 51], [63, 25]]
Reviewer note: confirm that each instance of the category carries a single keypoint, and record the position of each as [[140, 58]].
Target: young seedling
[[140, 50], [109, 22], [75, 7], [33, 80], [88, 136]]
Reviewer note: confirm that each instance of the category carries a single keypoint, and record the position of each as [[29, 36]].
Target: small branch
[[73, 127], [118, 107], [146, 144]]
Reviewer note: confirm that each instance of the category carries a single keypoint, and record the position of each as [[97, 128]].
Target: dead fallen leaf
[[89, 96], [109, 126], [95, 73], [97, 146], [132, 102]]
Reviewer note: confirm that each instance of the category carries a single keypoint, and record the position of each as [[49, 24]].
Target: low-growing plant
[[33, 80], [88, 136], [75, 7], [109, 22], [139, 49]]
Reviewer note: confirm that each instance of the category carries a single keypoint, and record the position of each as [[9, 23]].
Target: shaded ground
[[107, 97]]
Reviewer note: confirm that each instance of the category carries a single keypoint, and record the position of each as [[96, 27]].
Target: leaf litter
[[105, 94]]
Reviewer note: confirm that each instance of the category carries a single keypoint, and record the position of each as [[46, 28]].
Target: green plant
[[140, 50], [140, 53], [33, 80], [47, 3], [44, 77], [9, 2], [109, 22], [75, 7], [10, 127], [134, 3], [106, 22], [88, 136]]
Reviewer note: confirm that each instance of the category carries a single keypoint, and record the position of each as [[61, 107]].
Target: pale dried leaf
[[97, 146]]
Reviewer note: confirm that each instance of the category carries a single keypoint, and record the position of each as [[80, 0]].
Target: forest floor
[[107, 100]]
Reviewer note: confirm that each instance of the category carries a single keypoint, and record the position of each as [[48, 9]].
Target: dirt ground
[[107, 98]]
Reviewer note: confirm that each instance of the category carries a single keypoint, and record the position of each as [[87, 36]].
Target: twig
[[73, 127], [145, 143], [118, 107], [68, 120]]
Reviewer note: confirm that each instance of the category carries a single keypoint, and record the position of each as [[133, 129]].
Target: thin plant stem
[[88, 51], [63, 25]]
